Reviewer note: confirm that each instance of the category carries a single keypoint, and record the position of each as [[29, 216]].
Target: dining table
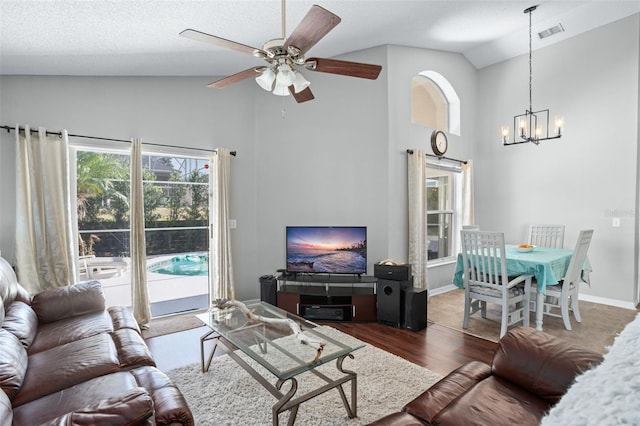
[[547, 265]]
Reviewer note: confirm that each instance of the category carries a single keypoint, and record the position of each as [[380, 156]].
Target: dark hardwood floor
[[438, 348]]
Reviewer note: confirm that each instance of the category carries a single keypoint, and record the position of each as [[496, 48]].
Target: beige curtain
[[468, 209], [418, 244], [221, 265], [44, 238], [139, 290]]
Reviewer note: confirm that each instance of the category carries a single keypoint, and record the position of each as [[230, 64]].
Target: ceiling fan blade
[[315, 25], [302, 96], [348, 68], [223, 42], [232, 79]]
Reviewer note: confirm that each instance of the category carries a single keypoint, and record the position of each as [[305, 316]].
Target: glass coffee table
[[280, 352]]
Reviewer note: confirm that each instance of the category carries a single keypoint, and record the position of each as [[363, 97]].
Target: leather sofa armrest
[[131, 408], [398, 419], [169, 404], [540, 363], [435, 399], [63, 302]]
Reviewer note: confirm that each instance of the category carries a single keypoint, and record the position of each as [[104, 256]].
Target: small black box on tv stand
[[392, 272]]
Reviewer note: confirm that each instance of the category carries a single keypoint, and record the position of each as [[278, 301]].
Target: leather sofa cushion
[[66, 365], [544, 365], [13, 363], [129, 408], [73, 398], [8, 283], [57, 303], [448, 389], [494, 401], [21, 321], [6, 411], [71, 329]]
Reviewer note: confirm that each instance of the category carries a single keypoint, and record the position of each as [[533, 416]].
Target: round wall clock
[[439, 143]]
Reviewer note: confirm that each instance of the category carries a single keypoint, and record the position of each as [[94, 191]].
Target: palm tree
[[95, 174]]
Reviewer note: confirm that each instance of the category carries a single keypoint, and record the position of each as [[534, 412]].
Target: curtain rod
[[410, 151], [59, 134]]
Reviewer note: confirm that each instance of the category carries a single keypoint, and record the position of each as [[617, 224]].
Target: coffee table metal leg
[[277, 407], [203, 339], [352, 410]]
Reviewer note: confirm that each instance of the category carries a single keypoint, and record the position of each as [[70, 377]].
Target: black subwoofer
[[389, 297], [414, 306]]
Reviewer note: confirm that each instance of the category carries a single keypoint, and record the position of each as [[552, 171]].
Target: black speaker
[[414, 307], [389, 297], [268, 289], [392, 272]]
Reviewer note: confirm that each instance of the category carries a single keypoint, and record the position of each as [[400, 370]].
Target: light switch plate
[[615, 222]]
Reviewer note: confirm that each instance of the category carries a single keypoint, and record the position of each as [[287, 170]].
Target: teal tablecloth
[[547, 265]]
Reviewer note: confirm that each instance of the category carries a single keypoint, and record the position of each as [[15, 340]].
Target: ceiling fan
[[286, 55]]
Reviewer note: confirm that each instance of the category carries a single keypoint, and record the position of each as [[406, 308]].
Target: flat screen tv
[[327, 249]]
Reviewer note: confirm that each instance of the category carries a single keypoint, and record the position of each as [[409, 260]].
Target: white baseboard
[[582, 296], [442, 290], [606, 301]]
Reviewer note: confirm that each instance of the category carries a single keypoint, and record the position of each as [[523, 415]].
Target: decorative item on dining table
[[525, 248]]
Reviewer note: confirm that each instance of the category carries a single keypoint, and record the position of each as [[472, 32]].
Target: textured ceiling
[[137, 37]]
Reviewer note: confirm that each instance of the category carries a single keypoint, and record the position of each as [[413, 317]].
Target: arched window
[[434, 102]]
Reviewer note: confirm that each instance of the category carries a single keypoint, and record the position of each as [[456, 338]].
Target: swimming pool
[[190, 264]]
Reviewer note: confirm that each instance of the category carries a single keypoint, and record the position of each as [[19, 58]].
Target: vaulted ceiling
[[140, 37]]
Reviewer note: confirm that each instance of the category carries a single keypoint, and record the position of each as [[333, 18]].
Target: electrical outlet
[[233, 224], [615, 222]]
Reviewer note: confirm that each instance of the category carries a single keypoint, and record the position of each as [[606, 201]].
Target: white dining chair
[[485, 280], [563, 297], [551, 236]]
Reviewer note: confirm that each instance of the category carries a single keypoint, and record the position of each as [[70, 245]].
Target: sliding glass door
[[176, 210]]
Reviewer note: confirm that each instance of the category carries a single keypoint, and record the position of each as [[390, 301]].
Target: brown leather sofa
[[530, 372], [67, 360]]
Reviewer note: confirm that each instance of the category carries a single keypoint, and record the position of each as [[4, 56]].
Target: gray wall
[[583, 179], [340, 159], [164, 110]]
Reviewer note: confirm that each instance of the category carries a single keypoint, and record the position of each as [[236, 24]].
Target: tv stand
[[328, 297]]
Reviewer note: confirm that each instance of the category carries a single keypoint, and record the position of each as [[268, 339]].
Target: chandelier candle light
[[532, 126]]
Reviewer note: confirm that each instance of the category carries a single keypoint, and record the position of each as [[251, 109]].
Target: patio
[[168, 294]]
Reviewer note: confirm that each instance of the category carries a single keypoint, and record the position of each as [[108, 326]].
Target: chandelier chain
[[530, 67]]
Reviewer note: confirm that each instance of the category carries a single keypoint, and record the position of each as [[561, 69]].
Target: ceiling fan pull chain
[[284, 111]]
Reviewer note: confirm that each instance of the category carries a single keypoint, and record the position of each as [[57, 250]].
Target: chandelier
[[532, 126]]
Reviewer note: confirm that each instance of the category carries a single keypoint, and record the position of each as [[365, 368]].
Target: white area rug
[[609, 393], [228, 395]]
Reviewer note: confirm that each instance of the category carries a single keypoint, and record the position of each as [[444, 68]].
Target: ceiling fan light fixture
[[266, 79], [281, 88], [285, 75], [300, 83]]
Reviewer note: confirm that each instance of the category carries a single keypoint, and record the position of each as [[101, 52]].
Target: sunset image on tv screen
[[339, 250]]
